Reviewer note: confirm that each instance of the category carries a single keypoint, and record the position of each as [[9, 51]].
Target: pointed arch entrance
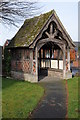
[[50, 60], [52, 53]]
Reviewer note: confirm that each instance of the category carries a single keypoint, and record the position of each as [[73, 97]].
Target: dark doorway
[[48, 52]]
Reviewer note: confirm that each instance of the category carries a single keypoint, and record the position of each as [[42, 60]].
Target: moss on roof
[[29, 30]]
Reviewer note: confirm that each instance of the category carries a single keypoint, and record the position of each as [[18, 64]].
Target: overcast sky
[[66, 11]]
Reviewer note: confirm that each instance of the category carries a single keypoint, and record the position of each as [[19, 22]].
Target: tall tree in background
[[14, 11]]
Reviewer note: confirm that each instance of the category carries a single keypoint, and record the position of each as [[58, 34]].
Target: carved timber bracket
[[55, 41], [50, 33]]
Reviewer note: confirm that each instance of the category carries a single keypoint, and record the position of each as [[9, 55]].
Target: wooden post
[[36, 58], [40, 57], [68, 58], [50, 56], [64, 62], [58, 58], [31, 61]]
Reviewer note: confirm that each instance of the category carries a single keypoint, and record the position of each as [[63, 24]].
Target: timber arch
[[52, 41]]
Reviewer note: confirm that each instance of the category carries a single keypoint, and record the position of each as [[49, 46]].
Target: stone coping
[[52, 69]]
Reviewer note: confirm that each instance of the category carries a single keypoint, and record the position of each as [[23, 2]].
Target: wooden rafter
[[51, 34], [54, 40], [55, 34], [51, 29], [47, 34]]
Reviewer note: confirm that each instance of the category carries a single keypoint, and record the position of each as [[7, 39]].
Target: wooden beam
[[47, 34], [58, 57], [55, 34], [68, 58], [50, 55], [40, 57], [51, 29], [42, 42], [31, 61], [36, 58], [53, 40]]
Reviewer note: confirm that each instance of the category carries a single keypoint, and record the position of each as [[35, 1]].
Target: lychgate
[[41, 47]]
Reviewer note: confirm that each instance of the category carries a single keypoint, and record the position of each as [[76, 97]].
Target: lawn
[[73, 97], [19, 98], [0, 98]]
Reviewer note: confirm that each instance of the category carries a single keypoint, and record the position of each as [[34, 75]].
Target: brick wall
[[76, 63], [13, 65], [72, 54], [21, 61], [26, 66]]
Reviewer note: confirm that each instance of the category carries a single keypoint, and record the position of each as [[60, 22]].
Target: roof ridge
[[40, 15], [32, 28]]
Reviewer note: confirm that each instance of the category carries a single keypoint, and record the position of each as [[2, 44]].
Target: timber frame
[[56, 34], [52, 34]]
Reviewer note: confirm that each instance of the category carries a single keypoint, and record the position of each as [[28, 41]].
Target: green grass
[[19, 98], [73, 97], [79, 95], [0, 98]]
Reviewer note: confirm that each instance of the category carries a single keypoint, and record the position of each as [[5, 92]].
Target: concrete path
[[53, 104]]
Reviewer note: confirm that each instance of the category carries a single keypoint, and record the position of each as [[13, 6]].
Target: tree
[[14, 11], [6, 67]]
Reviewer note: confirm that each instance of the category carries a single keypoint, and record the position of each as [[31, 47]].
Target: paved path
[[53, 104]]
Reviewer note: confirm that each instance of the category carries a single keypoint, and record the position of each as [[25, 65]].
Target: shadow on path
[[53, 104]]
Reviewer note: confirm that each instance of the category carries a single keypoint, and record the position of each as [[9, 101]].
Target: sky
[[66, 11]]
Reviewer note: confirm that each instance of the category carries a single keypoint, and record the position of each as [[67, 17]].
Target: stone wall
[[59, 73], [24, 76], [55, 73]]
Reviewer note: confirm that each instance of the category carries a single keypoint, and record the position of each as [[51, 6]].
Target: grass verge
[[73, 100], [19, 98]]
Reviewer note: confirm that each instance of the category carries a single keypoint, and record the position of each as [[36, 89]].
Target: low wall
[[68, 75], [59, 73], [24, 76], [55, 73]]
